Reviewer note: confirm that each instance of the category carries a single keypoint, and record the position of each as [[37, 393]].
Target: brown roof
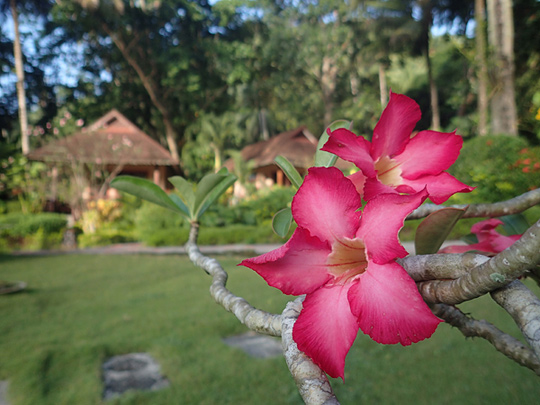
[[298, 146], [112, 139]]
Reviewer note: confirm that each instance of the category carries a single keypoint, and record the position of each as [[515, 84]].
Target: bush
[[500, 167], [19, 225], [103, 237]]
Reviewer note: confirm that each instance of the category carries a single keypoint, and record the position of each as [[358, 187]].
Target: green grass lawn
[[80, 310]]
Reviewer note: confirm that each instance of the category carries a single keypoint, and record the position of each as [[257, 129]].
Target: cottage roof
[[298, 146], [112, 139]]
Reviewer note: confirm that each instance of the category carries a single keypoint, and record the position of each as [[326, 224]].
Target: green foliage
[[31, 231], [22, 225], [500, 167], [246, 222], [104, 237], [190, 202], [151, 219]]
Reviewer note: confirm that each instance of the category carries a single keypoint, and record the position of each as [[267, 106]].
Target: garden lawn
[[80, 310]]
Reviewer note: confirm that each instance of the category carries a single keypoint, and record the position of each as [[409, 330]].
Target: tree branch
[[524, 307], [441, 266], [253, 318], [495, 273], [311, 381], [498, 209], [504, 343]]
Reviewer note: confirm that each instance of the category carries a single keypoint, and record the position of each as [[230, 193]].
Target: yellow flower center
[[388, 171], [347, 260]]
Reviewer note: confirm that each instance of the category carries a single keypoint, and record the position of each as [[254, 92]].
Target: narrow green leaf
[[186, 191], [178, 201], [434, 230], [514, 224], [289, 170], [209, 189], [146, 190], [281, 223], [327, 159]]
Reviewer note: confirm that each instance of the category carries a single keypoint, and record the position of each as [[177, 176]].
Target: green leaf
[[209, 189], [434, 230], [514, 224], [281, 223], [327, 159], [289, 170], [186, 190], [146, 190]]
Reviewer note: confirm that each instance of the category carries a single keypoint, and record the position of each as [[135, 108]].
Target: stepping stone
[[3, 392], [256, 345], [134, 371]]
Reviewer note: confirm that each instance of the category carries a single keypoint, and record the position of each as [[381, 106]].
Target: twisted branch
[[524, 307], [255, 319], [504, 343], [311, 381], [498, 209], [495, 273]]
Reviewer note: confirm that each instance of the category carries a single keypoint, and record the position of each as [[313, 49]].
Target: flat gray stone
[[256, 345], [134, 371], [3, 392]]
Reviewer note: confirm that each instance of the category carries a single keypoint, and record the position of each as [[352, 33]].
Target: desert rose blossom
[[393, 162], [344, 261], [489, 240]]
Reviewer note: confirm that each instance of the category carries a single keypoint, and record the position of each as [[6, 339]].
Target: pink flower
[[344, 261], [396, 163], [489, 240]]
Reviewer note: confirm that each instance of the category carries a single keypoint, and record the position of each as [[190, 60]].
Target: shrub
[[19, 225], [500, 167], [103, 237]]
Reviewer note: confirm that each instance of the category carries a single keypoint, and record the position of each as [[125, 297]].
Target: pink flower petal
[[326, 328], [440, 187], [429, 152], [381, 221], [358, 180], [373, 187], [502, 242], [395, 126], [352, 148], [298, 267], [486, 225], [389, 307], [326, 204]]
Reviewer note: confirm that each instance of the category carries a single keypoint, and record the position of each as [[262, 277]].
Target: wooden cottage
[[114, 143], [298, 146]]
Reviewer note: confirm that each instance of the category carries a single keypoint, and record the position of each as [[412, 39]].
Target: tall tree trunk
[[481, 66], [383, 87], [19, 70], [427, 20], [327, 82], [501, 39]]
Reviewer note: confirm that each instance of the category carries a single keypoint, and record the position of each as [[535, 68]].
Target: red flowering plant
[[393, 162], [489, 242], [345, 261]]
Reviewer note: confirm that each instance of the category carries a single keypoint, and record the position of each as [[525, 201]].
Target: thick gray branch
[[499, 209], [311, 381], [524, 307], [504, 343], [253, 318], [441, 266], [495, 273]]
